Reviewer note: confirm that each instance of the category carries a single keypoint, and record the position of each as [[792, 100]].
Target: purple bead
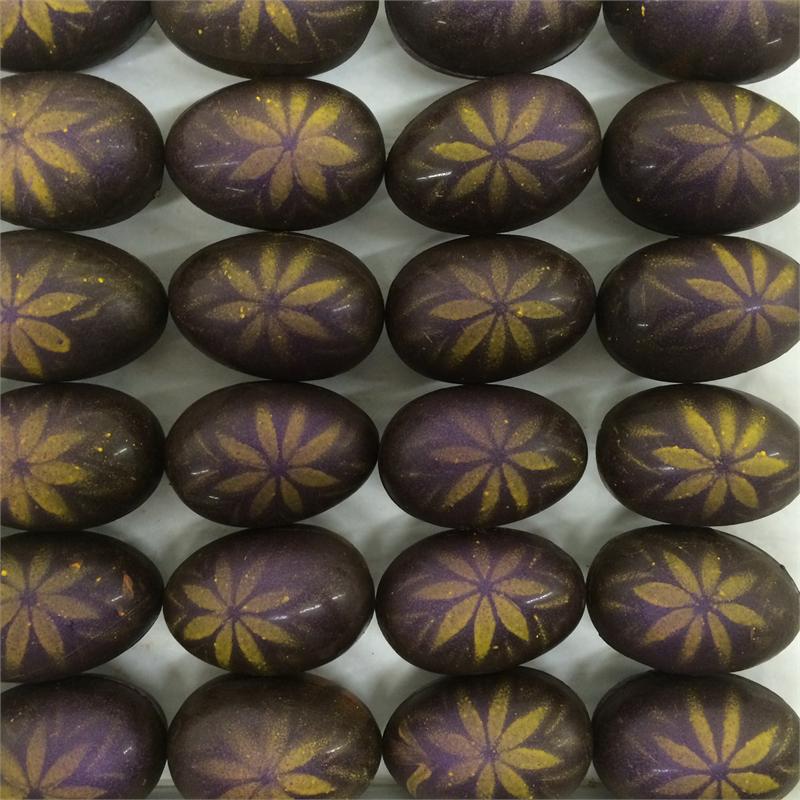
[[495, 155], [699, 309], [681, 737], [470, 602], [699, 157], [521, 733], [699, 455]]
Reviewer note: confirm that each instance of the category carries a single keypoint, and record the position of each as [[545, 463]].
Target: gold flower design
[[695, 604], [501, 149], [496, 458], [734, 143], [294, 147], [22, 315], [36, 16], [278, 13], [721, 765], [722, 461], [32, 468], [495, 311], [33, 603], [495, 751], [413, 754]]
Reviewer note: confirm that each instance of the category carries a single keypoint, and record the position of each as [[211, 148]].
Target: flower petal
[[755, 750], [531, 460], [680, 754], [698, 134], [664, 595], [460, 309], [465, 485], [312, 293], [281, 18], [716, 291], [516, 487], [781, 284], [318, 447], [702, 433], [761, 465], [238, 484], [743, 490], [306, 476], [484, 628], [460, 151], [733, 267], [258, 163], [741, 615], [720, 637], [702, 164], [471, 180], [281, 181], [526, 121], [522, 729], [475, 124], [455, 620], [690, 487], [530, 758], [756, 174], [683, 458], [445, 590], [298, 784], [753, 782], [773, 147], [512, 617]]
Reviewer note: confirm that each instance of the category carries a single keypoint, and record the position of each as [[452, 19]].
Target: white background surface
[[585, 381]]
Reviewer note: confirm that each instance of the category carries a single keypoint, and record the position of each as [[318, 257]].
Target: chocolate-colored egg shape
[[299, 736], [72, 602], [698, 157], [680, 736], [85, 736], [699, 309], [75, 456], [520, 733], [480, 456], [278, 305], [691, 600], [495, 155], [76, 151], [278, 154], [484, 309], [257, 40], [73, 307], [470, 602], [490, 37], [735, 41], [270, 602], [699, 455], [263, 454], [39, 35]]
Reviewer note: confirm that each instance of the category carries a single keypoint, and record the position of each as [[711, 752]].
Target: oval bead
[[76, 152], [323, 736], [699, 309], [82, 598], [478, 310], [73, 307], [281, 306], [264, 454], [490, 37], [277, 154], [480, 456], [691, 600], [699, 455], [470, 602], [65, 36], [76, 456], [79, 737], [679, 737], [495, 155], [698, 157], [735, 41], [288, 38], [270, 602], [517, 713]]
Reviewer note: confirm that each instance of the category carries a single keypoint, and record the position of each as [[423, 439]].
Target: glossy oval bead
[[313, 739], [289, 38], [435, 744], [76, 152], [270, 602], [65, 36], [281, 306], [495, 155], [264, 454], [76, 456], [697, 157], [73, 307], [691, 600], [681, 737], [480, 456], [490, 37], [74, 602], [699, 309], [735, 41], [470, 602], [699, 455], [485, 309], [86, 736], [277, 154]]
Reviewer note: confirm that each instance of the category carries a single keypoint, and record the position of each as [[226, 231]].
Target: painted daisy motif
[[251, 15], [36, 16]]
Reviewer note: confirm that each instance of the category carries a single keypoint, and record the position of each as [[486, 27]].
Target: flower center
[[20, 466], [718, 772], [500, 307], [8, 314], [28, 597]]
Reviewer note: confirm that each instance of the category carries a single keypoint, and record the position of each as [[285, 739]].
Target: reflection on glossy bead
[[86, 736], [75, 456], [698, 157], [691, 600], [684, 737], [699, 455], [240, 736], [515, 734]]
